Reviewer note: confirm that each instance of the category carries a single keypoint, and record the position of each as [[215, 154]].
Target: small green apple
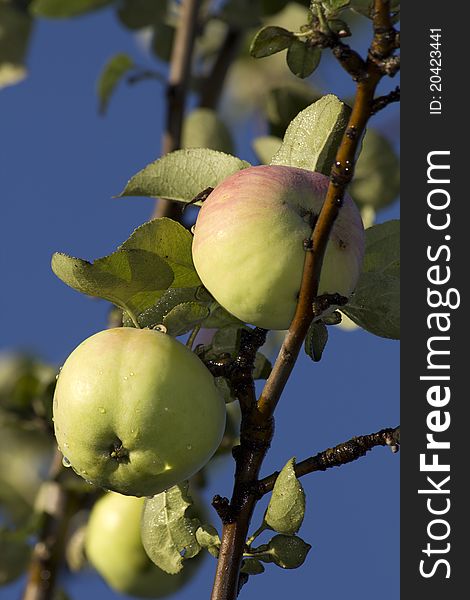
[[248, 242], [113, 546], [135, 411]]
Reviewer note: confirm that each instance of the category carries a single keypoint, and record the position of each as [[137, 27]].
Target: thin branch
[[341, 175], [47, 552], [382, 101], [341, 454], [214, 82], [349, 59], [258, 424], [177, 88]]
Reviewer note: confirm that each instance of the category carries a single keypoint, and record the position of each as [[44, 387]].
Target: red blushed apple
[[248, 246]]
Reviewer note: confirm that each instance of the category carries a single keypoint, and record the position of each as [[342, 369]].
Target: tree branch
[[47, 552], [341, 175], [382, 101], [341, 454], [177, 88], [214, 82], [258, 424]]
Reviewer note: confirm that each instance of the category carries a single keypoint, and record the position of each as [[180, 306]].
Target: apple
[[113, 546], [135, 411], [248, 246]]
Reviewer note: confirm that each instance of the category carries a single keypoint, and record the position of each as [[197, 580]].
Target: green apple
[[248, 246], [135, 411], [114, 547]]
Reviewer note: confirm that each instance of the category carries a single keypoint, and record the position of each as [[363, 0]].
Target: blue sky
[[60, 165]]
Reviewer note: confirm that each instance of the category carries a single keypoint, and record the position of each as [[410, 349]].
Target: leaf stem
[[257, 533], [192, 336]]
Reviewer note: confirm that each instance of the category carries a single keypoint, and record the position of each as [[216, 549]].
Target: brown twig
[[258, 425], [341, 454], [382, 101], [47, 552], [177, 88], [214, 82]]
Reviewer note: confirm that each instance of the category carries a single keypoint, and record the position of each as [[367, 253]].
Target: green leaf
[[131, 279], [185, 317], [157, 254], [286, 508], [332, 7], [112, 73], [208, 537], [284, 103], [224, 389], [241, 14], [252, 566], [15, 31], [136, 14], [227, 340], [220, 318], [162, 41], [262, 368], [203, 128], [155, 314], [183, 174], [312, 139], [375, 304], [286, 551], [316, 339], [59, 9], [172, 242], [339, 26], [376, 180], [270, 40], [302, 59], [167, 534], [266, 147], [333, 318]]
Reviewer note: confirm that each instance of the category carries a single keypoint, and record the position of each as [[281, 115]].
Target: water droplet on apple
[[102, 410], [189, 447], [126, 377], [66, 462], [131, 374]]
